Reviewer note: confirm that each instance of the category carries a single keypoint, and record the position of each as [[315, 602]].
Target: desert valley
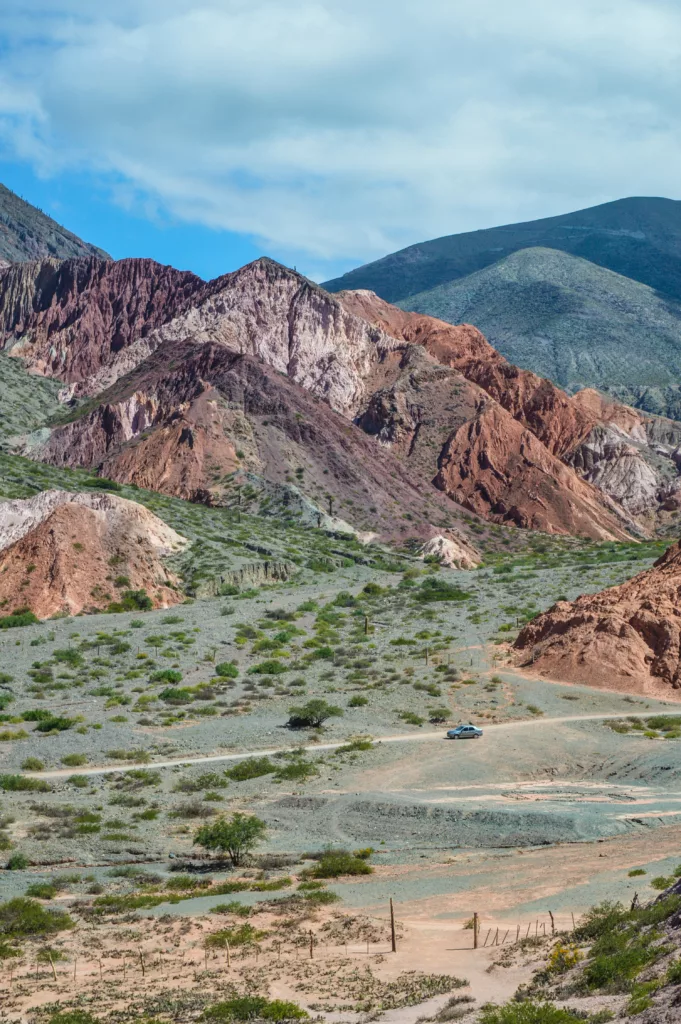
[[262, 545]]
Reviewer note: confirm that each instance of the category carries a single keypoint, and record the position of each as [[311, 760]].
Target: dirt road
[[270, 752]]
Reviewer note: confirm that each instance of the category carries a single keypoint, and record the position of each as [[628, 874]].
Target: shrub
[[21, 917], [18, 862], [254, 1007], [19, 783], [296, 771], [33, 764], [58, 723], [241, 936], [528, 1012], [42, 891], [251, 768], [436, 589], [237, 837], [132, 601], [334, 863], [271, 667], [166, 675], [313, 714], [357, 702], [18, 618], [226, 670], [74, 760]]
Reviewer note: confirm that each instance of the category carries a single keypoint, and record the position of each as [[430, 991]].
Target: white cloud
[[347, 128]]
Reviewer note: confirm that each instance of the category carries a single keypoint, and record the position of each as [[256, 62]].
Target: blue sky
[[326, 133]]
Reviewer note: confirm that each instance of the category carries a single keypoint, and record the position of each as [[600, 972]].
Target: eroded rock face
[[619, 469], [191, 407], [627, 638], [70, 541], [70, 318], [496, 467]]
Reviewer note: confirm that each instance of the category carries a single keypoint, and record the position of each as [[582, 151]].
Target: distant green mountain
[[569, 320], [27, 233], [639, 238]]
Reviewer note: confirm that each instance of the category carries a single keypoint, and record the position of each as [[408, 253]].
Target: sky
[[327, 133]]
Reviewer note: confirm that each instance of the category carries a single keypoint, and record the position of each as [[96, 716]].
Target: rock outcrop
[[68, 319], [498, 468], [192, 412], [627, 638], [62, 552]]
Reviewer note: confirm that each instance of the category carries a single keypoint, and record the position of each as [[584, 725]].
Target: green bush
[[18, 862], [19, 784], [334, 863], [132, 601], [528, 1012], [58, 723], [166, 675], [297, 770], [74, 760], [436, 589], [251, 768], [33, 764], [313, 714], [21, 917], [226, 670], [22, 617], [42, 891], [244, 935], [271, 667], [252, 1008]]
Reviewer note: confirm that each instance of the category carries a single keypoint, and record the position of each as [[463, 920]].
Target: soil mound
[[627, 638], [62, 552]]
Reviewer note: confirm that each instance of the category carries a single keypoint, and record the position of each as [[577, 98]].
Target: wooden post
[[505, 936], [553, 924], [495, 942], [366, 625], [311, 945], [486, 938], [476, 926], [142, 963], [517, 934], [393, 938], [229, 956]]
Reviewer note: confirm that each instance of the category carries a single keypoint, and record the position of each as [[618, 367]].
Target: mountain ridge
[[638, 237], [26, 233]]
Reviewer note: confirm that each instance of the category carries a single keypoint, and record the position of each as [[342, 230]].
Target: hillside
[[26, 233], [638, 237], [566, 319]]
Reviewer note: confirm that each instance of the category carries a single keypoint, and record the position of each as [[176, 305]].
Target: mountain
[[399, 423], [638, 238], [26, 233], [69, 540], [626, 638], [567, 319]]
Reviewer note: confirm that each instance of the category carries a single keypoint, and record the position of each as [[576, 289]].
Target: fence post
[[476, 925], [393, 939], [553, 924]]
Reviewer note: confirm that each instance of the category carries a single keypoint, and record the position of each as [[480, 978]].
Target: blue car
[[465, 732]]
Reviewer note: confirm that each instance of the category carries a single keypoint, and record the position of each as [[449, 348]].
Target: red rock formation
[[197, 405], [626, 638], [62, 562], [68, 319], [497, 468]]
